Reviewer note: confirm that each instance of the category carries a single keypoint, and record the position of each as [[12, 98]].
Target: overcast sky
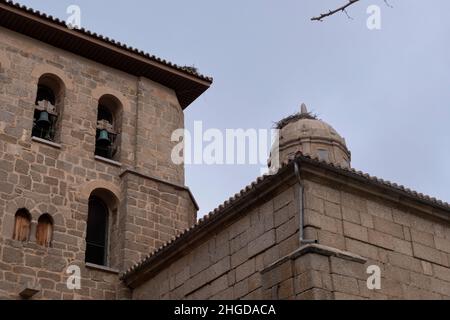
[[386, 91]]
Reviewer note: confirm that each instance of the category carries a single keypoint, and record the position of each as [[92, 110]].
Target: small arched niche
[[109, 126], [102, 233], [22, 225], [44, 230], [49, 105]]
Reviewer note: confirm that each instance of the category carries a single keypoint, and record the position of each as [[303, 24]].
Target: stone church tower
[[86, 177]]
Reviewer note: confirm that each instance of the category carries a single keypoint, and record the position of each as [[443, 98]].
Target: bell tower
[[86, 176]]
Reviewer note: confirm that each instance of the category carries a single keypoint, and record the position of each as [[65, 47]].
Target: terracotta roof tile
[[186, 69]]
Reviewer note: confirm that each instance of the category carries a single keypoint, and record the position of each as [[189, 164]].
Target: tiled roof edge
[[188, 70], [307, 158]]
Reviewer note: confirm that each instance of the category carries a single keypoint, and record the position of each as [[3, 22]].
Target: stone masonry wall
[[411, 248], [58, 179], [257, 257], [155, 213], [227, 264], [313, 272]]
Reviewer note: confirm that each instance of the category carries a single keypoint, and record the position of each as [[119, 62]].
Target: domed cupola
[[304, 132]]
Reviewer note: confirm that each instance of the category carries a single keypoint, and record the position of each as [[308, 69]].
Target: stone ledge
[[318, 249], [27, 291], [108, 161], [46, 142], [101, 268]]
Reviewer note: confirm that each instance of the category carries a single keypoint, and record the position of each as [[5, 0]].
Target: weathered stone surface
[[58, 178], [366, 228], [239, 260]]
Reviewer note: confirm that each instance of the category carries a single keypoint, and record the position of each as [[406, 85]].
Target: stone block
[[351, 215], [311, 261], [245, 270], [344, 284], [402, 246], [12, 255], [355, 231], [361, 248], [262, 243], [421, 237], [380, 239], [428, 254], [442, 244], [348, 268], [379, 210], [332, 210], [389, 227]]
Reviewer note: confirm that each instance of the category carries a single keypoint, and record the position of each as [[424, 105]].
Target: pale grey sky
[[387, 92]]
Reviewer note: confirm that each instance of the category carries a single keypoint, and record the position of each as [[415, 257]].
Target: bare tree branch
[[348, 16], [331, 12]]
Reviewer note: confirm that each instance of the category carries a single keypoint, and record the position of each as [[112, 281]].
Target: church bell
[[44, 120], [103, 138]]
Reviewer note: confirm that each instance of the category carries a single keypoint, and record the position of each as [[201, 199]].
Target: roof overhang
[[187, 84]]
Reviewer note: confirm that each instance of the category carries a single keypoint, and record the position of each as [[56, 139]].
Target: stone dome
[[305, 133]]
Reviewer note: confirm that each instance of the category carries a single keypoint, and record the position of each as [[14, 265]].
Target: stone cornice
[[317, 249]]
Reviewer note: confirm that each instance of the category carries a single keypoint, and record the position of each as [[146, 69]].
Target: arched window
[[109, 122], [49, 105], [44, 231], [22, 225], [97, 232]]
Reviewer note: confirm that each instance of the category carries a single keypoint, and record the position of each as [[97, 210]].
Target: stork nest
[[292, 118], [191, 69]]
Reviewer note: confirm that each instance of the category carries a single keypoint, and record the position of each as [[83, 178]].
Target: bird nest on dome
[[303, 114]]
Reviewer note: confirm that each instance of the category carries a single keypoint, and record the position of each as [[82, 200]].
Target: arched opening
[[22, 225], [48, 107], [101, 225], [44, 231], [109, 124], [97, 232]]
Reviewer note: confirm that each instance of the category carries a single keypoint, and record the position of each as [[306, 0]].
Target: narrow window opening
[[22, 225], [44, 231], [323, 155], [108, 128], [48, 107], [105, 138], [97, 232]]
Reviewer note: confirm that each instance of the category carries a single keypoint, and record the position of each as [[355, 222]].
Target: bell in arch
[[44, 120], [103, 138]]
